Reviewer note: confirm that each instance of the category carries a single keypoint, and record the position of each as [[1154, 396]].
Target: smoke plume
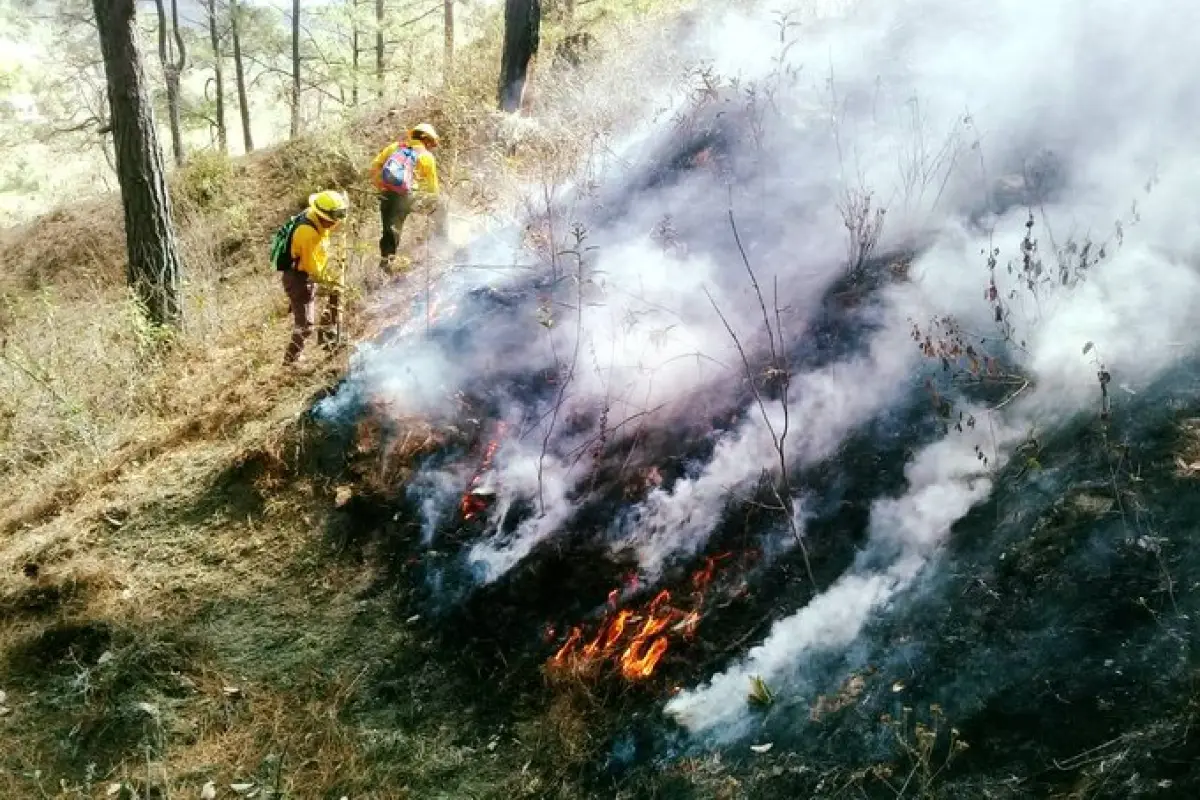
[[1094, 88], [789, 146]]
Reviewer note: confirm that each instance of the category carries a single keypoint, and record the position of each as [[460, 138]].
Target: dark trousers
[[301, 292], [393, 211]]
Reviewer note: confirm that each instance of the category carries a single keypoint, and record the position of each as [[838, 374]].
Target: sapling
[[578, 252], [778, 375]]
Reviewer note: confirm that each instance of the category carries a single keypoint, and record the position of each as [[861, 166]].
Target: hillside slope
[[178, 604], [540, 535]]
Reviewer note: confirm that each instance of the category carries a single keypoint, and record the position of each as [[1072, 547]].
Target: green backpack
[[281, 242]]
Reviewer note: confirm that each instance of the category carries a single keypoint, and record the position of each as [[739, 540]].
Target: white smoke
[[526, 476], [830, 402], [1139, 305], [931, 107], [945, 480], [1102, 84]]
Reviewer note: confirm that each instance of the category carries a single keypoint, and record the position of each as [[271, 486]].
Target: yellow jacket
[[425, 171], [309, 253]]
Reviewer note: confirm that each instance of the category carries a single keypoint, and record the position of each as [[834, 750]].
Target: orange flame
[[636, 641], [635, 666], [473, 504], [617, 628], [565, 650]]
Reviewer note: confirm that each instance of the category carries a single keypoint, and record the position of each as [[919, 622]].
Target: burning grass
[[633, 641], [480, 492], [156, 486], [328, 675], [228, 633]]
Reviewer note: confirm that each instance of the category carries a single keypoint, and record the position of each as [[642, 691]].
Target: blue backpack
[[397, 173]]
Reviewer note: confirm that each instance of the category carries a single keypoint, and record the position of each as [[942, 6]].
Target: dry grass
[[1187, 453], [86, 381], [107, 638], [170, 613]]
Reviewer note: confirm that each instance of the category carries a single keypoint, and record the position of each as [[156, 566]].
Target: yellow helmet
[[329, 205], [426, 133]]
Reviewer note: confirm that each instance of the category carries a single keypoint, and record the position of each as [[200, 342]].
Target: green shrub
[[205, 182], [309, 165]]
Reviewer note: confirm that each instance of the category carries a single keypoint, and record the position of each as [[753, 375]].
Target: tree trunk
[[522, 28], [172, 70], [295, 68], [154, 270], [180, 64], [355, 51], [448, 46], [240, 75], [379, 16], [215, 37]]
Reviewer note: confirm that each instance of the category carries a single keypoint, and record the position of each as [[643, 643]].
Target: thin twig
[[562, 388], [1087, 756], [776, 440], [753, 280], [582, 449], [745, 364]]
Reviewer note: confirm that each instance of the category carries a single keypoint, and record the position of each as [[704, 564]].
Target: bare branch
[[753, 280], [782, 490]]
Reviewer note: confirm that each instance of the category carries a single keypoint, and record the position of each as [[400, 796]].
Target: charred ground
[[497, 638], [274, 612], [1054, 637]]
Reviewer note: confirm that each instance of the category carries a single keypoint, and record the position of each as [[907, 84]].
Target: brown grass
[[1187, 453], [170, 610]]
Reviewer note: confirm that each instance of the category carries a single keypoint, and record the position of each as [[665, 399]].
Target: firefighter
[[406, 175], [302, 258]]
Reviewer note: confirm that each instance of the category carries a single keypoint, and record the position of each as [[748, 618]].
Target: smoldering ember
[[805, 408]]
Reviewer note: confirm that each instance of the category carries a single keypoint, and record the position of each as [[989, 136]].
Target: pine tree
[[154, 269], [522, 29]]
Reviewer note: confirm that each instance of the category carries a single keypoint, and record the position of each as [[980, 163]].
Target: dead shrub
[[72, 250]]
